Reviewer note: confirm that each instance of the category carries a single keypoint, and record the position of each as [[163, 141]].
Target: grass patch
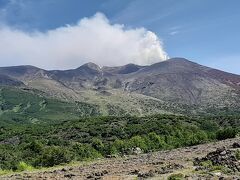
[[5, 172], [178, 176], [206, 164], [22, 166]]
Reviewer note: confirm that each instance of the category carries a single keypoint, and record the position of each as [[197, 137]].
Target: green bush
[[137, 141], [84, 152], [155, 142], [54, 155], [97, 144], [35, 146], [8, 159], [197, 138], [226, 133], [119, 146]]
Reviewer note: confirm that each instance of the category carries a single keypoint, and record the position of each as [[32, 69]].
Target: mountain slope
[[7, 81], [173, 86], [28, 106], [182, 81]]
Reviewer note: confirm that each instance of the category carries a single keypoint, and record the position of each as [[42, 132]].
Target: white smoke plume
[[92, 39]]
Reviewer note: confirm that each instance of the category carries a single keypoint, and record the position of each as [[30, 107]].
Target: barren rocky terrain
[[184, 163]]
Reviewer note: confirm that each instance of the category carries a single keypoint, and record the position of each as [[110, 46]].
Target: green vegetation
[[208, 165], [27, 146], [238, 154], [176, 177], [226, 133], [36, 131], [18, 106], [22, 166]]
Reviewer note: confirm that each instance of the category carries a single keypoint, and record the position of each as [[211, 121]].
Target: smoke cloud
[[92, 39]]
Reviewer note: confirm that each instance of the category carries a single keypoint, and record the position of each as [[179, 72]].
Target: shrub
[[119, 145], [54, 155], [8, 160], [137, 141], [35, 146], [197, 138], [110, 149], [155, 142], [97, 144], [85, 151], [226, 133]]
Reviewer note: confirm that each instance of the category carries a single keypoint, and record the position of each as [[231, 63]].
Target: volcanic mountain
[[176, 85]]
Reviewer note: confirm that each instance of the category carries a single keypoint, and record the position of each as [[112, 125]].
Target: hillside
[[59, 142], [175, 86], [28, 106], [179, 163]]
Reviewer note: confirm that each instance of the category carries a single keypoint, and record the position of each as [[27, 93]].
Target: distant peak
[[22, 66], [178, 59], [131, 65], [91, 65], [125, 69]]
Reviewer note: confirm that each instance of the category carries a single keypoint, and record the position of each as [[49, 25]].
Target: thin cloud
[[92, 39], [173, 33]]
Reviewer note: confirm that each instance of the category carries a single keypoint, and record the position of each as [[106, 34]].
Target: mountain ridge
[[92, 65], [175, 81]]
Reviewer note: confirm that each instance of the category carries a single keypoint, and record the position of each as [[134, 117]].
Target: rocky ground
[[207, 161]]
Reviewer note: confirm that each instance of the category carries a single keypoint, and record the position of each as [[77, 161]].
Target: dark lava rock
[[64, 170], [90, 176], [135, 172], [69, 175], [99, 174], [105, 171], [236, 145], [221, 157]]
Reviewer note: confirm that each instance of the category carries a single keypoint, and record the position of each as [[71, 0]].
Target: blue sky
[[204, 31]]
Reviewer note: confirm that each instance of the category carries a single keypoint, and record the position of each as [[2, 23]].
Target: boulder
[[236, 145]]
